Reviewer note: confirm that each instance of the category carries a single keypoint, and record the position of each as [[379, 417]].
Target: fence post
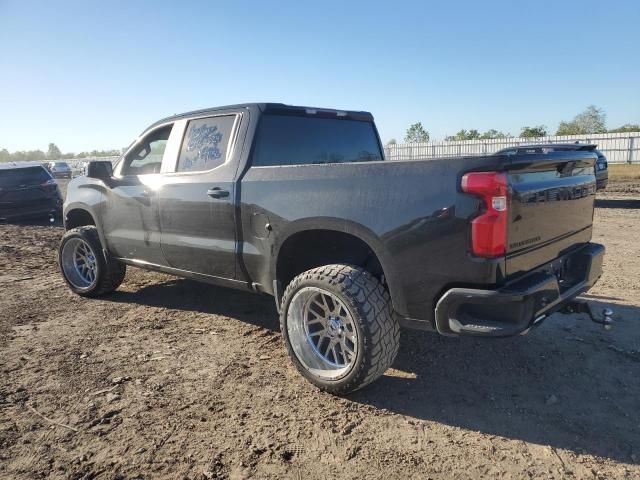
[[631, 143]]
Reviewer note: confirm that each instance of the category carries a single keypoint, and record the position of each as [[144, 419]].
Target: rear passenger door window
[[206, 143]]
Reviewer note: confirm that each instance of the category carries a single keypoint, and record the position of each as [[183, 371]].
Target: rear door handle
[[217, 192]]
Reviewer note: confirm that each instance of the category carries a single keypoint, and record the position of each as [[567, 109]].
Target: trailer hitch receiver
[[581, 306]]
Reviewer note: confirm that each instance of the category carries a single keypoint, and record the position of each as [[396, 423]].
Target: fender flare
[[69, 207], [357, 230]]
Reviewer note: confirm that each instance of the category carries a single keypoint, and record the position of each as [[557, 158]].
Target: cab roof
[[272, 107]]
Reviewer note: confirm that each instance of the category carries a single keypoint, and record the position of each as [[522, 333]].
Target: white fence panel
[[617, 147]]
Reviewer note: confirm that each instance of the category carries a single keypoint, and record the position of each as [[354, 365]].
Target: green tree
[[53, 152], [416, 133], [537, 131], [463, 134], [5, 156], [591, 120], [627, 127], [392, 142], [493, 133], [569, 128]]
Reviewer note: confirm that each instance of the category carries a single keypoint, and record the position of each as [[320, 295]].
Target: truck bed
[[417, 220]]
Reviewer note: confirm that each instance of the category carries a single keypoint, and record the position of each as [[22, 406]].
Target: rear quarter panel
[[410, 214]]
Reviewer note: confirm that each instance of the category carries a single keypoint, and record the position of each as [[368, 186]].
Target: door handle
[[217, 192]]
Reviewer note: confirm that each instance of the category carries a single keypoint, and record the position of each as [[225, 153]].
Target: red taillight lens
[[489, 230]]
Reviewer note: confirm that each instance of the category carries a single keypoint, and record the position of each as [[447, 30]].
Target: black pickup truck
[[299, 203]]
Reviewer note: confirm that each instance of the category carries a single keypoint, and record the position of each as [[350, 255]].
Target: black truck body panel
[[413, 216]]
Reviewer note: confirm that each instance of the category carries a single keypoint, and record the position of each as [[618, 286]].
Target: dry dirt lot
[[167, 378]]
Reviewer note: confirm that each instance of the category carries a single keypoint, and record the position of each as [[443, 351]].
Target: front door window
[[146, 157]]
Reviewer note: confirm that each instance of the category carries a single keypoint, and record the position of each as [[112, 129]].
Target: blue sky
[[89, 74]]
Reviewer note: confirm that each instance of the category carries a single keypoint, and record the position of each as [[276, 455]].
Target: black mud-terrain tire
[[369, 304], [110, 272]]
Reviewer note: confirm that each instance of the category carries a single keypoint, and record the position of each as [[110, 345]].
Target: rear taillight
[[488, 230]]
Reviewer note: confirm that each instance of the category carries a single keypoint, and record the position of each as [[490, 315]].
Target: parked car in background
[[59, 169], [28, 190], [82, 167], [601, 166], [602, 171]]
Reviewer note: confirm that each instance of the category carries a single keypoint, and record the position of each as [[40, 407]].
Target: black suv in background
[[28, 190], [59, 169], [601, 167]]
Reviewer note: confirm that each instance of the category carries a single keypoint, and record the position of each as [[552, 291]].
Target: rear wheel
[[339, 328], [84, 266]]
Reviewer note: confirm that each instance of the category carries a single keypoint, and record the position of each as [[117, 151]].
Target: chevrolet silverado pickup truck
[[299, 203]]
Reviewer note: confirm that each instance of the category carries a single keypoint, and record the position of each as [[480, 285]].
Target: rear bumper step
[[518, 306]]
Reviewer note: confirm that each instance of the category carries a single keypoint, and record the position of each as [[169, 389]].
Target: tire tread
[[373, 304], [112, 274]]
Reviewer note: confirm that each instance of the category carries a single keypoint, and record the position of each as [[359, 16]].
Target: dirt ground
[[168, 378]]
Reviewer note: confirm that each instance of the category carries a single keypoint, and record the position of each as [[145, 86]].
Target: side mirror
[[100, 169]]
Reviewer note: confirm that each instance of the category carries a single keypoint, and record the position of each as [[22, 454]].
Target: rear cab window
[[14, 177], [306, 140]]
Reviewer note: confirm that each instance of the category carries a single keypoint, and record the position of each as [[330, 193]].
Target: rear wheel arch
[[308, 248]]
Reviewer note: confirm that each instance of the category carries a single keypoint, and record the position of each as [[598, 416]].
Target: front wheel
[[83, 265], [339, 328]]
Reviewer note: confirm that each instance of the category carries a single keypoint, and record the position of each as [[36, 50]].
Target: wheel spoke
[[320, 333], [326, 338], [334, 353], [317, 318], [326, 343], [324, 302], [317, 304], [346, 347], [79, 263]]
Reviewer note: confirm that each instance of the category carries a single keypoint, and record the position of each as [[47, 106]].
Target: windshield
[[15, 177]]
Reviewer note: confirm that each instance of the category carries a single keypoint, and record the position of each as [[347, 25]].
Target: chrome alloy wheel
[[322, 333], [79, 263]]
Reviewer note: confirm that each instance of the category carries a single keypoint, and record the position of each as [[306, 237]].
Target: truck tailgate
[[551, 207]]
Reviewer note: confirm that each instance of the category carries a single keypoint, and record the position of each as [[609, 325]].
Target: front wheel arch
[[78, 217]]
